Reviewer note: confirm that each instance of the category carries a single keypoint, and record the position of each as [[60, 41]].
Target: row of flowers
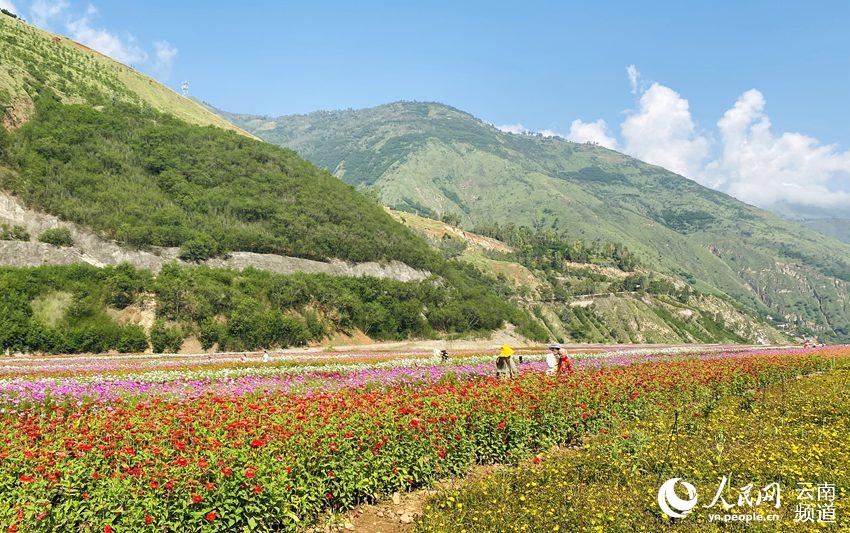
[[273, 460], [287, 376]]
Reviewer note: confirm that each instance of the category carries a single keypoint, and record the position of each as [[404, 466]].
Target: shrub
[[57, 237], [166, 339], [13, 233], [132, 340], [210, 332], [123, 284], [199, 249]]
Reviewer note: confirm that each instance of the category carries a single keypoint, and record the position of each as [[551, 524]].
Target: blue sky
[[530, 65]]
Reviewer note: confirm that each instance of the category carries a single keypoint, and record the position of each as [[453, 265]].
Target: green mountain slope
[[33, 60], [433, 159], [140, 167], [595, 300], [834, 227], [97, 144]]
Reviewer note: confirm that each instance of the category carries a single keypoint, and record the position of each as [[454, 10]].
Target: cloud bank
[[662, 132]]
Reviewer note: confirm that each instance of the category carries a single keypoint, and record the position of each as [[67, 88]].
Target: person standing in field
[[505, 364], [552, 359], [265, 356], [565, 366]]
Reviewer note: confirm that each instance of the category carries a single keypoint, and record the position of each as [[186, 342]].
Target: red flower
[[210, 516], [209, 485], [148, 519], [107, 529], [536, 460], [226, 471], [197, 498], [26, 479], [250, 473], [257, 443], [414, 422], [258, 489], [154, 485], [502, 425]]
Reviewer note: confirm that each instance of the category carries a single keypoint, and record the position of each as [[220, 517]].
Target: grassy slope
[[606, 317], [75, 72], [433, 159]]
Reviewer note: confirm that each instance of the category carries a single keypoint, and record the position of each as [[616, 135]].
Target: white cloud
[[164, 54], [663, 133], [123, 50], [634, 75], [519, 129], [43, 11], [8, 6], [762, 168], [594, 132], [512, 128]]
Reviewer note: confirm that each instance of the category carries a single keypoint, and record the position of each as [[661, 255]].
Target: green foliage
[[166, 339], [547, 250], [13, 233], [146, 178], [83, 327], [210, 332], [451, 218], [133, 339], [123, 284], [57, 237], [199, 249], [4, 135], [244, 310]]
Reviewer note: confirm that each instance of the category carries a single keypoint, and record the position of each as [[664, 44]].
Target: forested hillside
[[435, 160], [99, 145]]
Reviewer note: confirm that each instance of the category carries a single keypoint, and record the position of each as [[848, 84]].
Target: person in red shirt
[[565, 366]]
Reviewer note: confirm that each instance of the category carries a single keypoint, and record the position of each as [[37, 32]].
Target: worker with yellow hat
[[505, 364]]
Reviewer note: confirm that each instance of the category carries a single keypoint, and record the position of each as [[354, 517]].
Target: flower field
[[188, 444], [793, 433]]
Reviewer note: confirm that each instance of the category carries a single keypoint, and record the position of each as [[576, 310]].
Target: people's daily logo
[[750, 503], [670, 502]]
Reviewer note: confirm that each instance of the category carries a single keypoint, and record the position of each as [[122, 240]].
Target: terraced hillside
[[435, 160]]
